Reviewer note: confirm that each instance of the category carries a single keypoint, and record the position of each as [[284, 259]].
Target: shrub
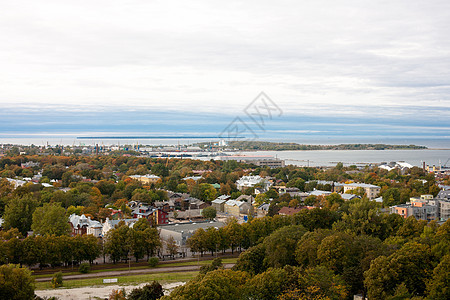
[[215, 264], [57, 280], [84, 268], [153, 261], [151, 291], [118, 295]]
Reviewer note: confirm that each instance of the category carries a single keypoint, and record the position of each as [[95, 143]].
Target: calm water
[[349, 157], [300, 158]]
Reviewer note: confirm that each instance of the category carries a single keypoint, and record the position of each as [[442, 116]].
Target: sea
[[438, 152], [316, 158]]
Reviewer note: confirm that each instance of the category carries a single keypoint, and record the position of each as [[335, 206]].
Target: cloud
[[375, 59]]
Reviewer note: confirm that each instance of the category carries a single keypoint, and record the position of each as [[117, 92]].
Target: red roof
[[289, 211]]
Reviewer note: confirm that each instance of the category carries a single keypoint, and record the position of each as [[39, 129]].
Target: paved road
[[131, 272]]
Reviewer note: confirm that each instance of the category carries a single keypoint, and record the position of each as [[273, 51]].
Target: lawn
[[124, 280], [161, 265], [202, 262]]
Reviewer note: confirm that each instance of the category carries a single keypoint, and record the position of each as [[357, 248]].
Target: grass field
[[231, 260], [123, 280], [133, 279]]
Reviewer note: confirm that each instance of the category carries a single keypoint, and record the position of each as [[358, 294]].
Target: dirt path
[[101, 292], [131, 272]]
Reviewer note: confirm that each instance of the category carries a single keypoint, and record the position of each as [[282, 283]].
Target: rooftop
[[191, 226]]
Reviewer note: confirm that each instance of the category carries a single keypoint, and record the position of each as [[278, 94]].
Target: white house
[[84, 225], [251, 181], [110, 224]]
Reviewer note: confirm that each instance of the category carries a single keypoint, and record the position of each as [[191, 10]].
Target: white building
[[110, 224], [84, 225], [372, 191], [251, 181]]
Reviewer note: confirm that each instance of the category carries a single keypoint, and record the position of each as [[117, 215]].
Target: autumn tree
[[410, 265], [280, 245], [16, 283], [171, 246]]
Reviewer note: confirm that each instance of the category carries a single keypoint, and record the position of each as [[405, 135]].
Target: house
[[284, 190], [163, 205], [236, 208], [180, 232], [335, 187], [420, 210], [348, 197], [16, 182], [110, 224], [444, 210], [444, 194], [84, 225], [259, 191], [151, 213], [147, 179], [30, 164], [190, 214], [252, 181], [371, 190], [262, 210], [195, 178], [289, 211], [245, 198], [194, 203], [401, 166], [219, 203], [320, 193], [177, 200]]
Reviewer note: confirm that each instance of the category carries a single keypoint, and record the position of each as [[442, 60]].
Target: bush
[[215, 264], [151, 291], [153, 261], [84, 268], [57, 280], [118, 295]]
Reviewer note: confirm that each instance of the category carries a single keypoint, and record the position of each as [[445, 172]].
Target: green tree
[[321, 283], [209, 213], [19, 213], [219, 285], [439, 286], [410, 265], [50, 219], [269, 284], [280, 245], [215, 264], [171, 246], [306, 251], [391, 197], [252, 260], [117, 243], [197, 242], [16, 283]]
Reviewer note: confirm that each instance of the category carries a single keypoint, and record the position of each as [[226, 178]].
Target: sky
[[348, 68]]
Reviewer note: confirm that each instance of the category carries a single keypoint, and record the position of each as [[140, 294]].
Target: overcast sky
[[359, 58]]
